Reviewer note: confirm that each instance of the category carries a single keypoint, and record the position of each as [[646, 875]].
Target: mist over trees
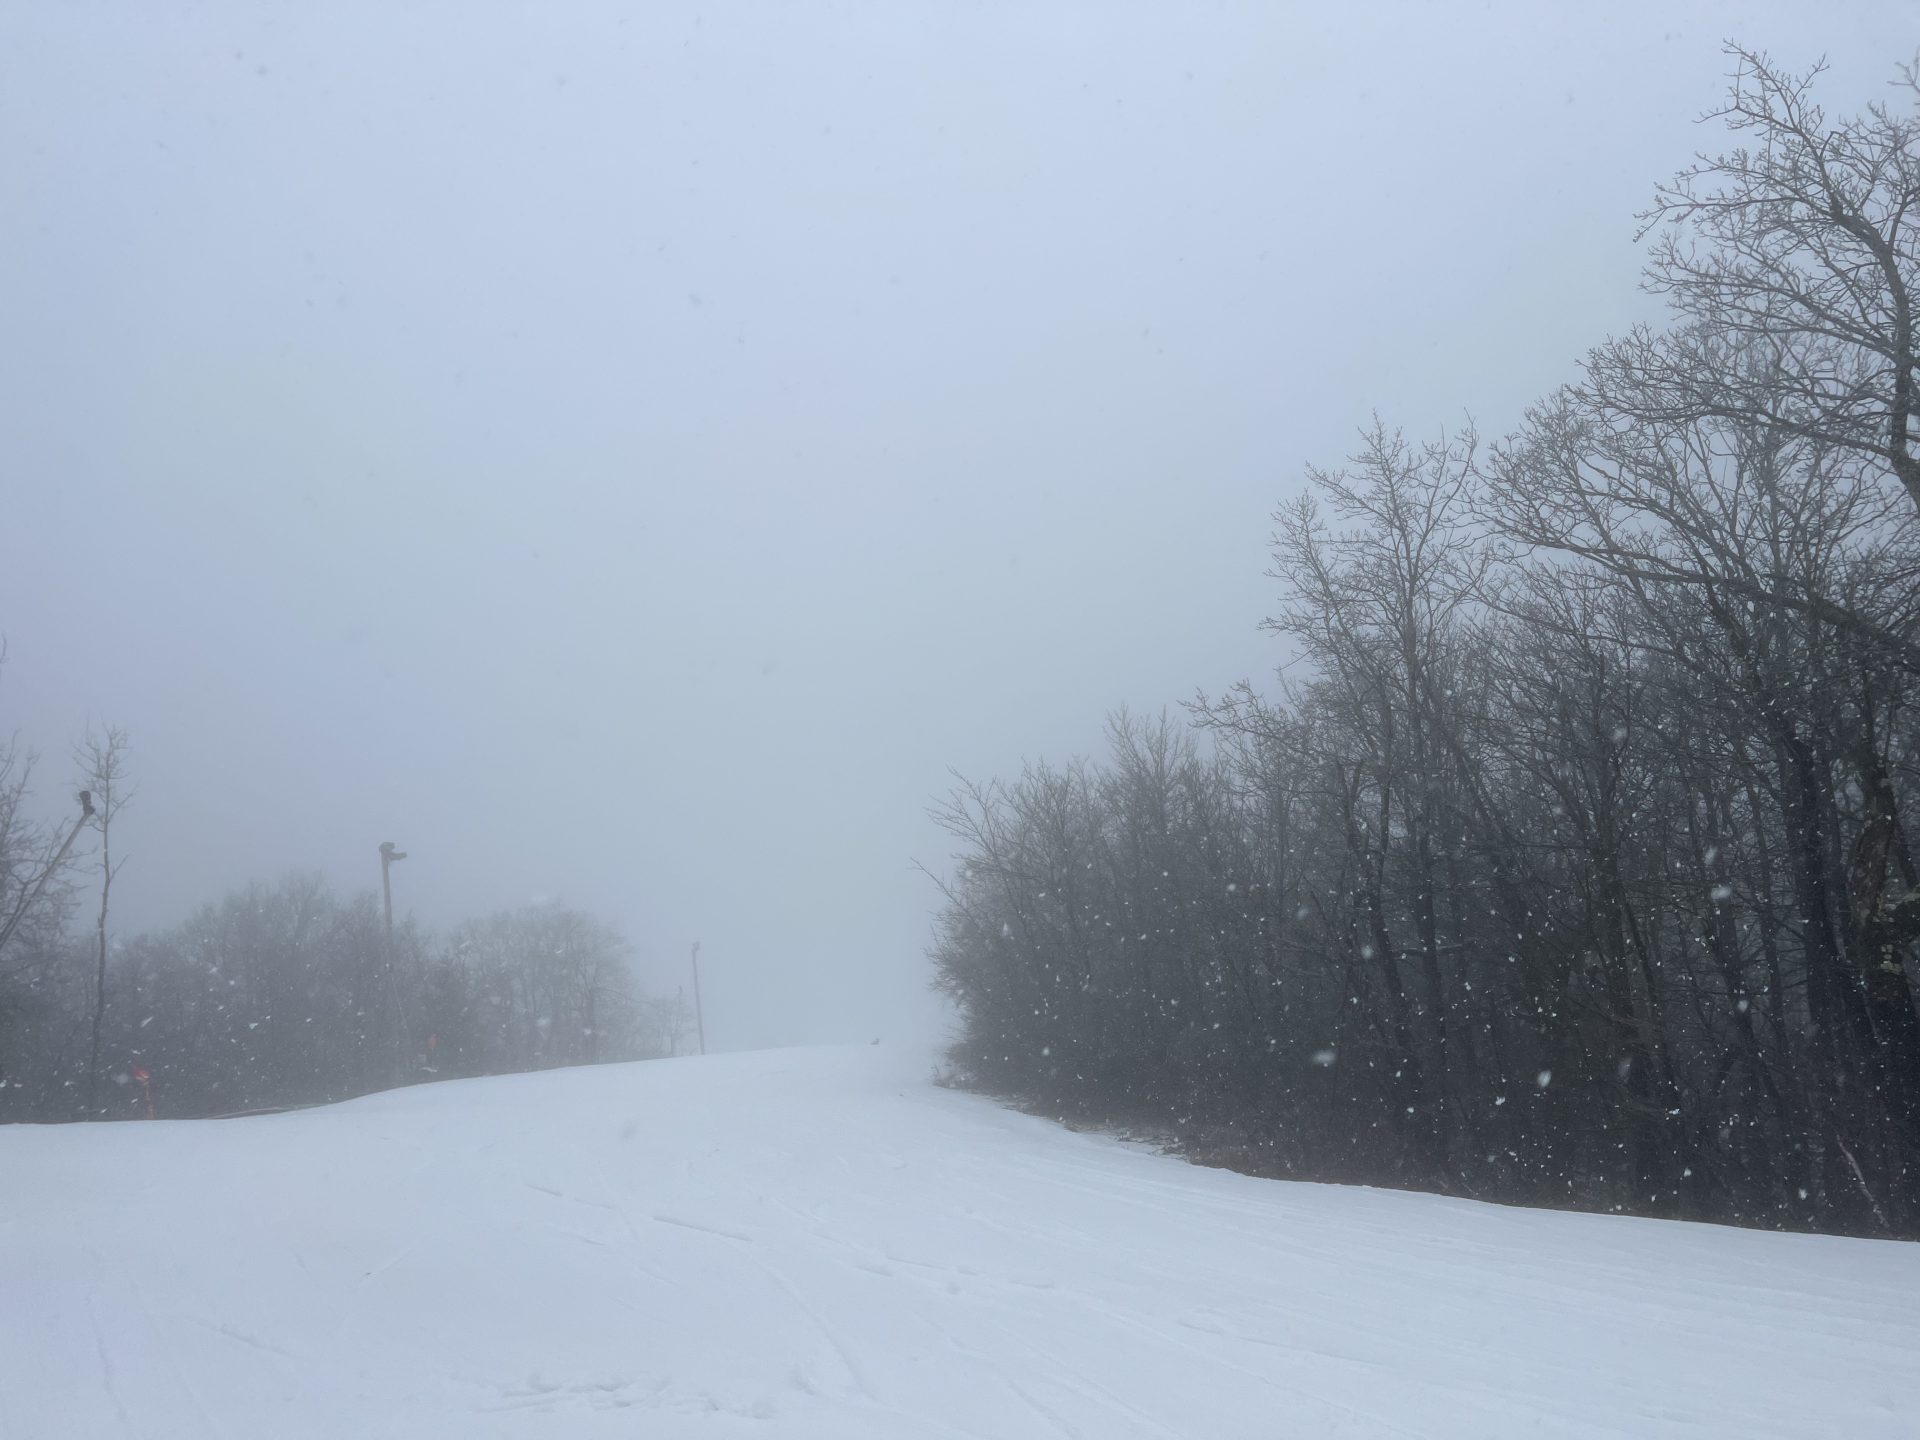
[[279, 994], [1569, 864]]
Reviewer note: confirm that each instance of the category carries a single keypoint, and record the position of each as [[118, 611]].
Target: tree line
[[279, 994], [1569, 863]]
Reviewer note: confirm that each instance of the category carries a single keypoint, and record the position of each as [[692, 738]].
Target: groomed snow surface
[[821, 1243]]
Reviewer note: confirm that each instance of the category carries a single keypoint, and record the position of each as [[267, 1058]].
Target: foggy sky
[[630, 453]]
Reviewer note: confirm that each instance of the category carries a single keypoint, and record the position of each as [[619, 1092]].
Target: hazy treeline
[[279, 994], [1572, 862]]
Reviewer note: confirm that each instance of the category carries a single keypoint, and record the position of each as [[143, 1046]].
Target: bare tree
[[1723, 502], [1803, 243], [1572, 863], [1376, 605], [103, 761], [29, 876]]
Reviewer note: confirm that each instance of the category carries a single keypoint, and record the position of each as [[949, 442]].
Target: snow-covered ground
[[819, 1243]]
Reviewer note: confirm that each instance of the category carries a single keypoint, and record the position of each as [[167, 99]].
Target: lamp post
[[387, 856]]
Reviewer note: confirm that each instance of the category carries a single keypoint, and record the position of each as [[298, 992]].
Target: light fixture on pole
[[387, 856]]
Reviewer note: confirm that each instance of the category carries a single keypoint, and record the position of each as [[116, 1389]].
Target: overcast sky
[[629, 453]]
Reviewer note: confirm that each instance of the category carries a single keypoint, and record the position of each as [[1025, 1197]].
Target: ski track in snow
[[817, 1243]]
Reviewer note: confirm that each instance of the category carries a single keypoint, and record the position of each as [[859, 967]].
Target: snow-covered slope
[[819, 1243]]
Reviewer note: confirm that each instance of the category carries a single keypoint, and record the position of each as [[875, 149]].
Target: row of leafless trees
[[1573, 863], [286, 994], [278, 995]]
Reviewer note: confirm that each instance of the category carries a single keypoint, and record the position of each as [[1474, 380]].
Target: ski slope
[[818, 1243]]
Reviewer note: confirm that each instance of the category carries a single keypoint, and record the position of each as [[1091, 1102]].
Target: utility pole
[[699, 1013], [387, 856]]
